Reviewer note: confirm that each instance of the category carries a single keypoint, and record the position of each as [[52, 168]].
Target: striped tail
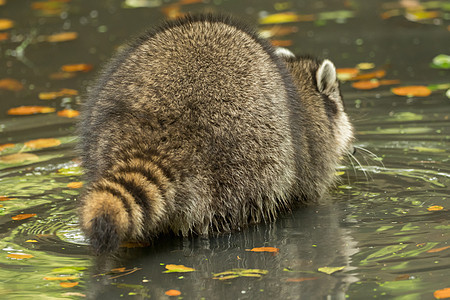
[[130, 203]]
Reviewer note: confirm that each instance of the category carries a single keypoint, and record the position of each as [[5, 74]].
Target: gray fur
[[206, 114]]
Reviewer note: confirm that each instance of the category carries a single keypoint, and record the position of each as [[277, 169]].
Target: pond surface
[[384, 233]]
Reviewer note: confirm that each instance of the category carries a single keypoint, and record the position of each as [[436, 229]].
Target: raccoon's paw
[[103, 235]]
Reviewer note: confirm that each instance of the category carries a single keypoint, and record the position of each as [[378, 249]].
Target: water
[[379, 223]]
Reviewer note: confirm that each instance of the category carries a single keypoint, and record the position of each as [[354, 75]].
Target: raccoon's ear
[[284, 53], [326, 77]]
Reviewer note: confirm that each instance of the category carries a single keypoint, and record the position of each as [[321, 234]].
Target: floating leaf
[[346, 73], [4, 36], [142, 3], [178, 268], [19, 255], [413, 90], [365, 66], [6, 146], [281, 43], [62, 37], [43, 143], [3, 198], [22, 217], [31, 241], [426, 149], [419, 15], [10, 84], [172, 293], [18, 158], [286, 17], [441, 61], [330, 270], [6, 24], [75, 185], [301, 279], [76, 68], [68, 284], [61, 277], [2, 2], [435, 208], [62, 75], [68, 113], [442, 294], [54, 95], [366, 85], [235, 273], [371, 75], [278, 30], [438, 249], [264, 249], [30, 110]]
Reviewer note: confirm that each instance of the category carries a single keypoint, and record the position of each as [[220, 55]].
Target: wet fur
[[199, 126]]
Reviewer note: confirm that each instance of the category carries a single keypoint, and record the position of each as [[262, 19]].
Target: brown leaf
[[413, 90], [30, 110], [18, 158], [62, 37], [173, 293], [22, 217], [43, 143], [6, 24], [281, 43], [10, 84], [68, 113], [438, 249], [76, 68], [68, 284], [19, 255]]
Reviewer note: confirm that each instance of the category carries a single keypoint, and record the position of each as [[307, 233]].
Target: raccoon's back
[[212, 99]]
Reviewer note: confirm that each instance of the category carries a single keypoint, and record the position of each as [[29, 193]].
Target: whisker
[[371, 154], [359, 164]]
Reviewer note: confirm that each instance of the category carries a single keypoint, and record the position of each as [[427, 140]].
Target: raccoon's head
[[317, 84]]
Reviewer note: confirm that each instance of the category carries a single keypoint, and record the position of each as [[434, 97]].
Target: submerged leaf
[[60, 277], [43, 143], [68, 113], [301, 279], [22, 217], [441, 61], [54, 95], [435, 208], [286, 17], [75, 185], [172, 293], [68, 284], [264, 249], [20, 256], [76, 68], [10, 84], [6, 24], [178, 268], [442, 294], [235, 273], [366, 85], [6, 146], [18, 158], [413, 90], [438, 249], [62, 37]]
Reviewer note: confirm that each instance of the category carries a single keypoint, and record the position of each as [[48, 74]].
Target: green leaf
[[442, 61], [330, 270]]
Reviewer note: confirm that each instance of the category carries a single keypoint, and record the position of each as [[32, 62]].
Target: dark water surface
[[387, 225]]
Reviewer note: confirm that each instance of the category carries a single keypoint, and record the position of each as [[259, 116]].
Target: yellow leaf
[[43, 143], [18, 158], [31, 241], [76, 68], [54, 95], [60, 277], [30, 110], [22, 217], [6, 24], [68, 284], [75, 184], [20, 255], [365, 66], [178, 268], [435, 208], [286, 17], [330, 270], [62, 37]]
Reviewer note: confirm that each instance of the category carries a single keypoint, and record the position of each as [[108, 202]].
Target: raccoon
[[200, 126]]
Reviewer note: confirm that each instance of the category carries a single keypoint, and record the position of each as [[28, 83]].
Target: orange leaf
[[22, 217], [10, 84], [413, 90], [438, 249], [3, 198], [54, 95], [184, 2], [6, 24], [2, 2], [75, 185], [5, 146], [68, 113], [43, 143], [281, 43], [60, 278], [371, 75], [119, 270], [4, 36], [301, 279], [19, 255], [351, 71], [30, 110], [442, 294], [178, 268], [389, 82], [172, 11], [173, 293], [68, 284], [77, 68], [62, 37], [18, 158], [435, 208], [366, 85], [264, 249]]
